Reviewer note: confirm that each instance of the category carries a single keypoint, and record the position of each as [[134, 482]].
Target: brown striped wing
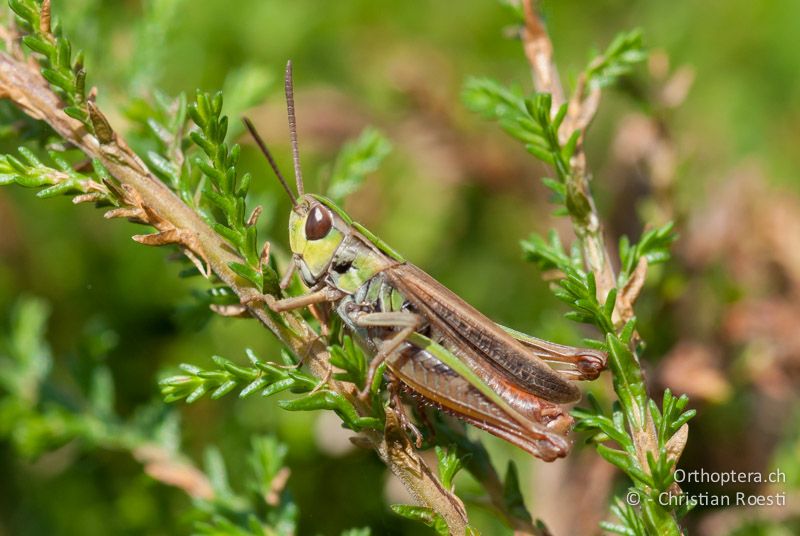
[[497, 357]]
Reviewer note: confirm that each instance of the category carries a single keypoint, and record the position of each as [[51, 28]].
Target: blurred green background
[[455, 197]]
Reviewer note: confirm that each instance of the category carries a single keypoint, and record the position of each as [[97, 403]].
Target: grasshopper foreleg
[[408, 324]]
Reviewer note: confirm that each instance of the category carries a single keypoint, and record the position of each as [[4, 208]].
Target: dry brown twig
[[149, 200]]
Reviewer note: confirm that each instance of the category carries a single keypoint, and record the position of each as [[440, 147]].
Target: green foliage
[[26, 360], [473, 456], [152, 31], [526, 119], [37, 416], [653, 247], [262, 507], [619, 59], [533, 121], [28, 170], [632, 523], [449, 465], [357, 532], [267, 379], [60, 67], [162, 125], [578, 289], [549, 254], [244, 87], [658, 475], [226, 192], [260, 377], [325, 399], [351, 359], [512, 495], [354, 363], [530, 121], [211, 184], [515, 9], [266, 460], [424, 515], [356, 160], [672, 415]]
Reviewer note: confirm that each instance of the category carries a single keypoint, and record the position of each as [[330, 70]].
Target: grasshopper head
[[316, 229]]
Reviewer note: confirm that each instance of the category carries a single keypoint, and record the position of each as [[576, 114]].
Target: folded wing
[[481, 343]]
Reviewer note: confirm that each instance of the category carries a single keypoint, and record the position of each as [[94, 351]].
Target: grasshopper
[[435, 345]]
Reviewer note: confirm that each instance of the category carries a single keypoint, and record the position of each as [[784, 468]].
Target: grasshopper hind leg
[[394, 395], [572, 363]]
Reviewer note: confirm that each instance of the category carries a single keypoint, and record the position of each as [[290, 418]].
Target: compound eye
[[318, 223]]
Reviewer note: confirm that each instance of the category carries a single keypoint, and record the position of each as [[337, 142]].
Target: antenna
[[289, 88], [263, 146]]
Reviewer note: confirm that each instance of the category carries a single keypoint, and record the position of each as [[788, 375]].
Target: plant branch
[[580, 110], [539, 51], [152, 202], [602, 298]]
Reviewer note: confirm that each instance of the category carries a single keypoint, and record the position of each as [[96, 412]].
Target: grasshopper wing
[[494, 354]]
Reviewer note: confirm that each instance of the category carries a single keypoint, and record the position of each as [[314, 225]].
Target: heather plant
[[649, 439], [176, 168]]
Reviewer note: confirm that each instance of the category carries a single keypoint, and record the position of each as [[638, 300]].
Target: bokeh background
[[706, 134]]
